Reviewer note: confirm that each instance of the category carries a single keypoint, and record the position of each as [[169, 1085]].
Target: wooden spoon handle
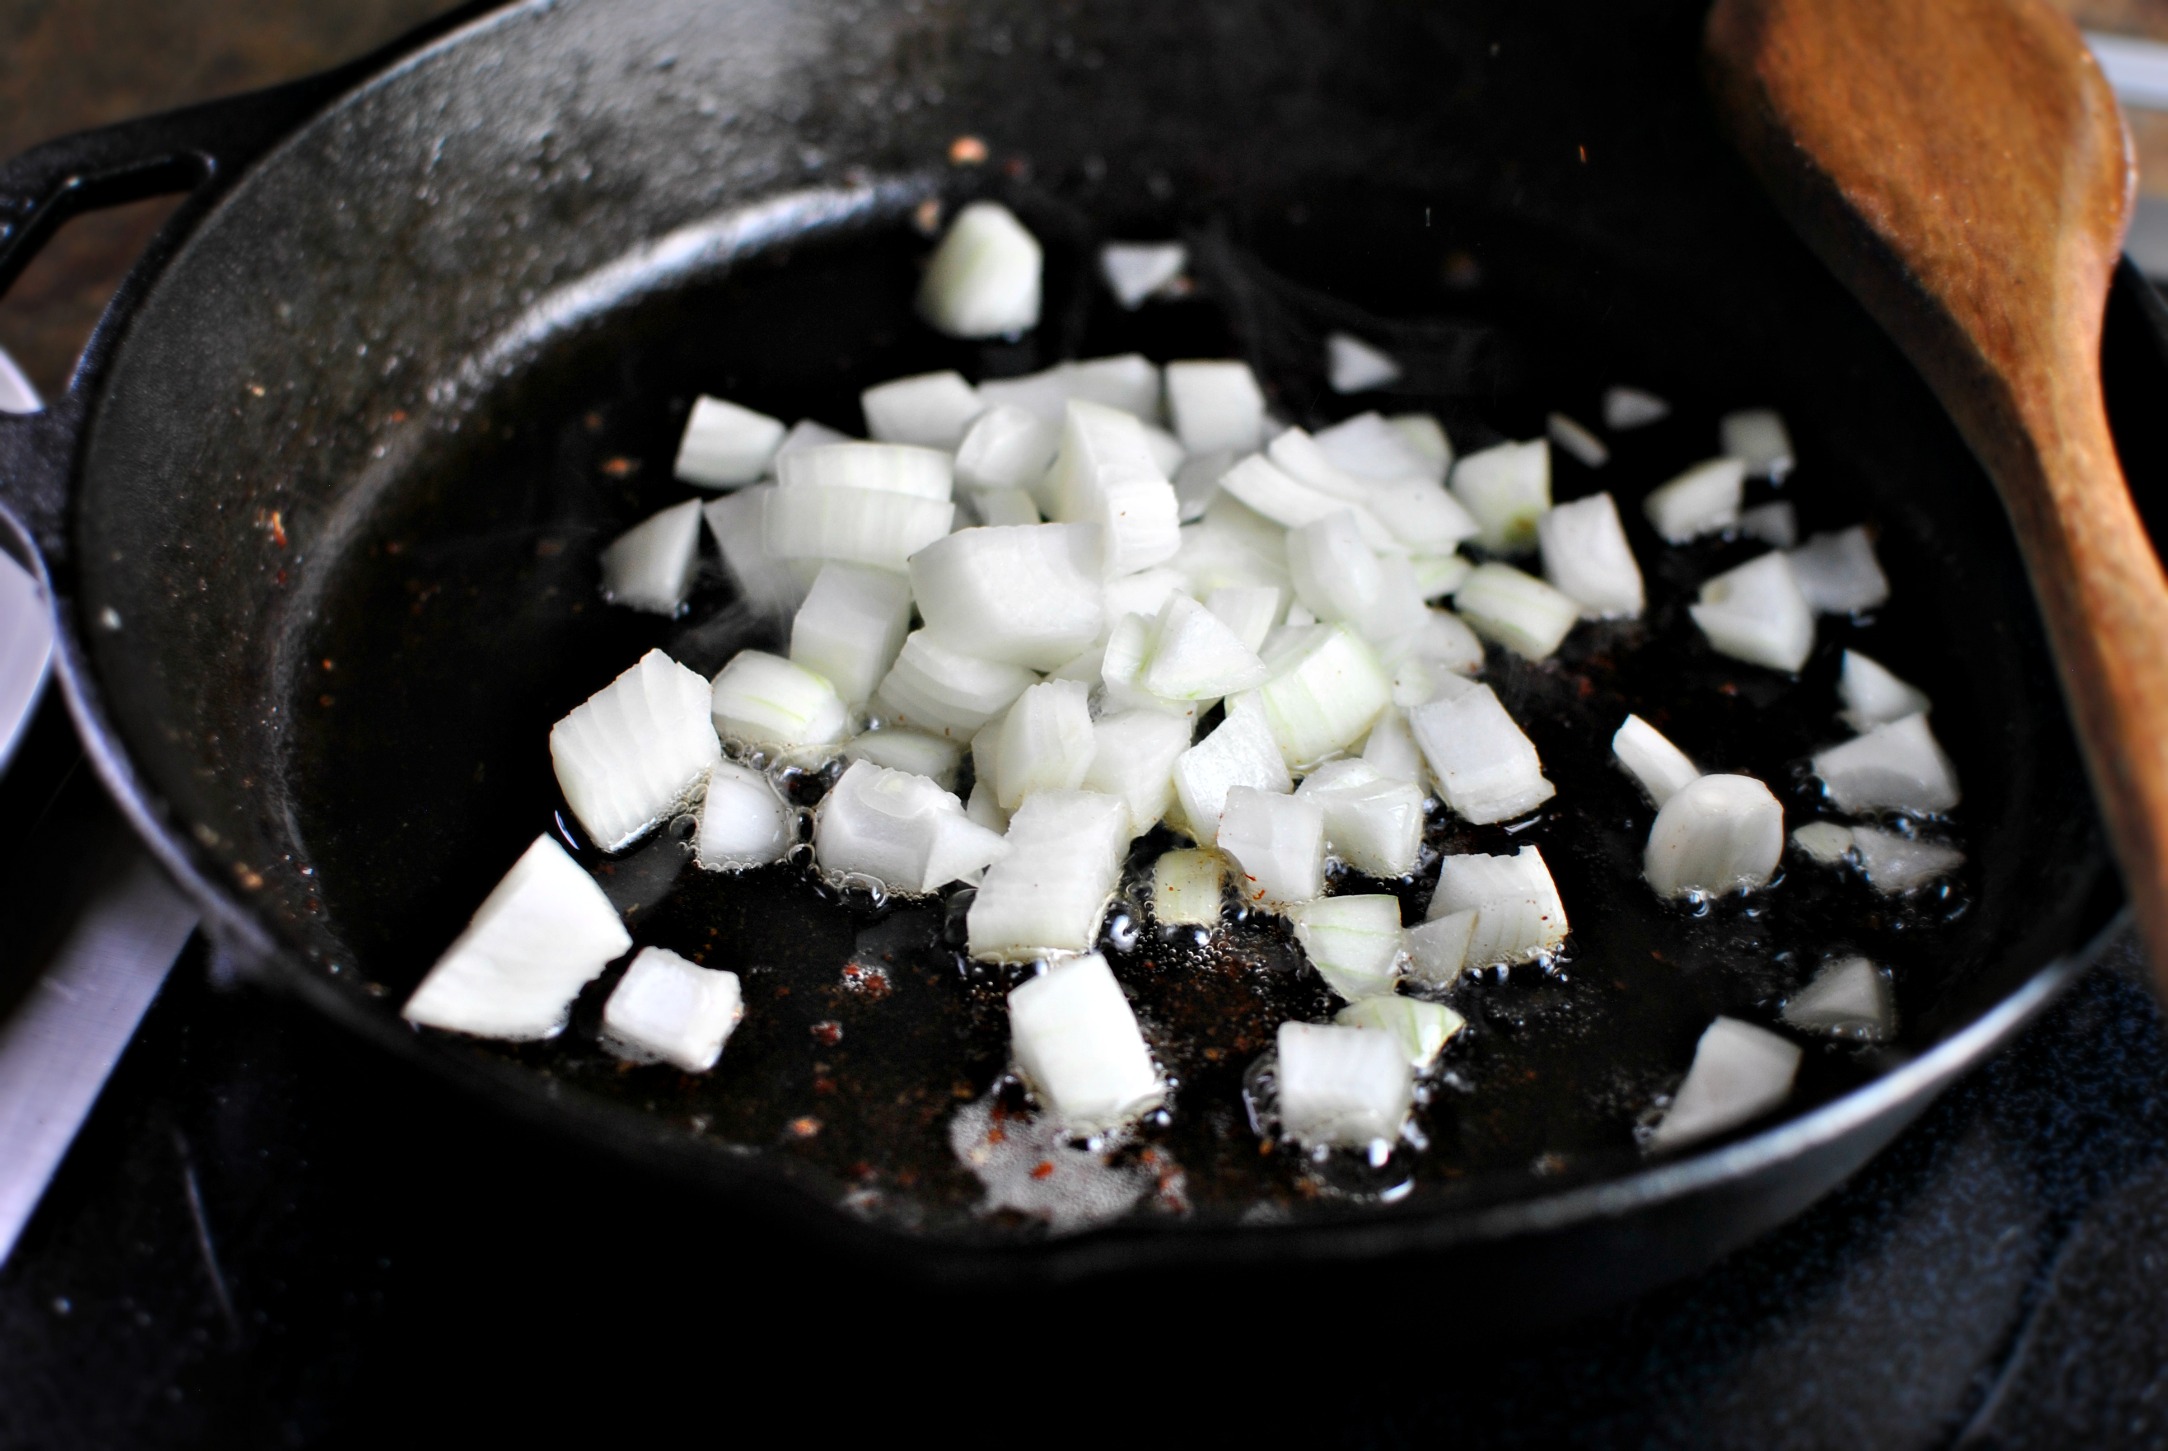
[[1962, 167]]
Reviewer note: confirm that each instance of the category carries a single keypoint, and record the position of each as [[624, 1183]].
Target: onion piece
[[632, 751], [1046, 742], [1297, 455], [1325, 689], [1873, 696], [932, 410], [1076, 1040], [1826, 842], [744, 821], [1487, 769], [1506, 487], [808, 433], [850, 627], [1373, 822], [1391, 750], [1007, 448], [1756, 613], [1005, 508], [1894, 767], [1438, 949], [1443, 641], [1775, 523], [1660, 768], [1128, 646], [1427, 436], [1051, 890], [1703, 500], [1717, 834], [1233, 544], [1144, 593], [1198, 480], [1849, 998], [1353, 942], [1423, 517], [983, 279], [987, 812], [1167, 452], [944, 691], [1576, 440], [899, 829], [1250, 611], [1277, 843], [1423, 1029], [1838, 573], [1129, 382], [1739, 1073], [1268, 490], [873, 527], [1628, 408], [1585, 554], [1758, 437], [769, 703], [1193, 655], [1335, 575], [1894, 865], [894, 748], [1215, 405], [650, 566], [1344, 1087], [1239, 751], [1026, 594], [1517, 610], [1105, 475], [1518, 914], [1189, 887], [739, 523], [1438, 575], [1133, 756], [725, 445], [666, 1009], [544, 932], [890, 468], [1354, 366], [1134, 271], [1369, 447]]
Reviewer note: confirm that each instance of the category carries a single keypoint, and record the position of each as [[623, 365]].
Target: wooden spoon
[[1962, 167]]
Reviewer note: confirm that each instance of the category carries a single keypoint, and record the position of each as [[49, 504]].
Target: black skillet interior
[[343, 488]]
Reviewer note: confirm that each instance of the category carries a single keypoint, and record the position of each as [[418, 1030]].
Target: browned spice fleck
[[828, 1032], [967, 151], [1044, 1169], [805, 1126], [621, 467]]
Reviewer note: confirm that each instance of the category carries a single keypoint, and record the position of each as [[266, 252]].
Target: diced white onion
[[744, 822], [726, 445], [1277, 842], [1007, 448], [1739, 1073], [890, 468], [1756, 613], [1193, 655], [1049, 893], [1025, 594], [808, 433], [1104, 474], [1775, 523], [983, 279], [739, 523], [1233, 544], [946, 692], [1660, 768], [1838, 573], [1486, 768], [1575, 439], [1128, 644], [1198, 480], [1873, 696], [650, 566], [1518, 914], [1421, 515], [1717, 834], [1129, 382], [542, 934], [1046, 742], [1585, 554], [1215, 405], [850, 627], [1894, 767], [1826, 842], [1354, 366], [1438, 949], [1703, 500], [932, 410], [1188, 886], [1626, 408], [899, 829], [983, 809], [1298, 456], [1326, 688], [1391, 749], [1423, 1029], [1133, 756], [634, 749], [1239, 751], [1894, 865], [1342, 1087], [1353, 942], [666, 1009], [1506, 487], [1143, 593], [1438, 575], [1004, 508], [936, 758], [1517, 610], [1268, 490], [1758, 436], [1077, 1041], [1849, 998], [766, 701], [852, 526], [1427, 436], [1373, 822], [1369, 447], [1133, 271], [1335, 574], [1251, 611]]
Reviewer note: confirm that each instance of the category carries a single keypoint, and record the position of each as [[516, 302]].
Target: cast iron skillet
[[317, 508]]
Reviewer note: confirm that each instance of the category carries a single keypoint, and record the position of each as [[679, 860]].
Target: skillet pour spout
[[319, 510]]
